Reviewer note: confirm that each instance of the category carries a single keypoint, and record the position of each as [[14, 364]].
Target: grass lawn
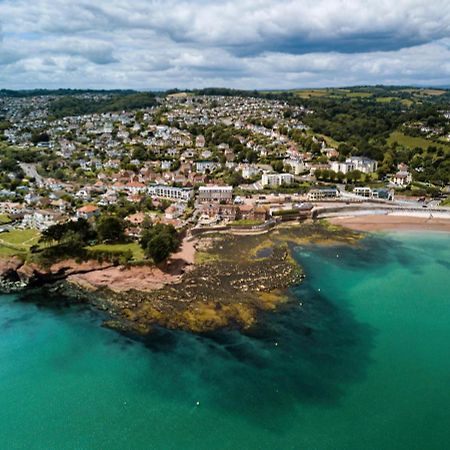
[[412, 142], [4, 219], [134, 247], [247, 222], [18, 241], [329, 140]]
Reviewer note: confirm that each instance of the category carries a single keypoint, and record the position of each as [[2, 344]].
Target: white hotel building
[[364, 165], [171, 193]]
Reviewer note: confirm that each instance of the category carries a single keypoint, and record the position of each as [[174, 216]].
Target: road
[[30, 171]]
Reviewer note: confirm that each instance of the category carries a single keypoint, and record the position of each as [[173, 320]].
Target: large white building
[[215, 193], [276, 179], [171, 193], [364, 165]]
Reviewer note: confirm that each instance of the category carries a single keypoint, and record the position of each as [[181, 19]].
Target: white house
[[402, 178], [203, 166], [40, 219], [166, 164], [296, 164], [249, 171]]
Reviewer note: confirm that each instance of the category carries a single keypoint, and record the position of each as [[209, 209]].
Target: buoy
[[276, 344], [318, 289], [198, 403]]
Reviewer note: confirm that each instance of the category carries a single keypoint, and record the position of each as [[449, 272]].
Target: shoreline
[[389, 222], [215, 281]]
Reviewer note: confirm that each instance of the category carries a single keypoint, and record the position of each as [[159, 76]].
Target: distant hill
[[61, 92], [70, 105]]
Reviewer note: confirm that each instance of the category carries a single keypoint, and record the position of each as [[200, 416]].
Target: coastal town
[[224, 225], [189, 161]]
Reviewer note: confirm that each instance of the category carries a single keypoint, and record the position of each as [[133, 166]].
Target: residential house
[[203, 166], [40, 219], [402, 179], [87, 212]]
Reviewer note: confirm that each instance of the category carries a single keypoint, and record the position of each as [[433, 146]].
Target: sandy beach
[[391, 223]]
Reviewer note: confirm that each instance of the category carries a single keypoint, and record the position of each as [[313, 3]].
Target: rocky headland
[[216, 280]]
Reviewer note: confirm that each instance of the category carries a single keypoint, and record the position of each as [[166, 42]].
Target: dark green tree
[[159, 241], [110, 228]]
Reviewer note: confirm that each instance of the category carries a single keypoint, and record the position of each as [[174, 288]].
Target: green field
[[18, 241], [4, 219], [308, 93], [386, 99], [359, 94], [134, 247], [412, 142]]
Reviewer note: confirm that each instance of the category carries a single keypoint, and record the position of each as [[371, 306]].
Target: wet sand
[[391, 223]]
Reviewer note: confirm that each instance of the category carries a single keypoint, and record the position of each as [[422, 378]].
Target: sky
[[246, 44]]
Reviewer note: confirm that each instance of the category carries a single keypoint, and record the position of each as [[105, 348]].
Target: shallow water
[[358, 359]]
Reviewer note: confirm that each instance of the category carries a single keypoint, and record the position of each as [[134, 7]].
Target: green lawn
[[134, 247], [247, 222], [329, 140], [412, 142], [307, 93], [4, 219], [18, 241]]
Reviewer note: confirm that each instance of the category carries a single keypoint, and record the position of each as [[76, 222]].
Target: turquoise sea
[[360, 359]]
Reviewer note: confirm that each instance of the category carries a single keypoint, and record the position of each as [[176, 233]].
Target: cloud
[[245, 43]]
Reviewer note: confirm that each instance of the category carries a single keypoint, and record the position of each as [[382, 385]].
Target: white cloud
[[246, 43]]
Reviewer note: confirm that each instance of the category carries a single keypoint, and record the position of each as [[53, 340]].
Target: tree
[[110, 228], [159, 241], [140, 153], [78, 230], [278, 166], [39, 137], [353, 175]]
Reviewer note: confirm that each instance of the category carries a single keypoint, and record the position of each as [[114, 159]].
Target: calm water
[[359, 360]]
